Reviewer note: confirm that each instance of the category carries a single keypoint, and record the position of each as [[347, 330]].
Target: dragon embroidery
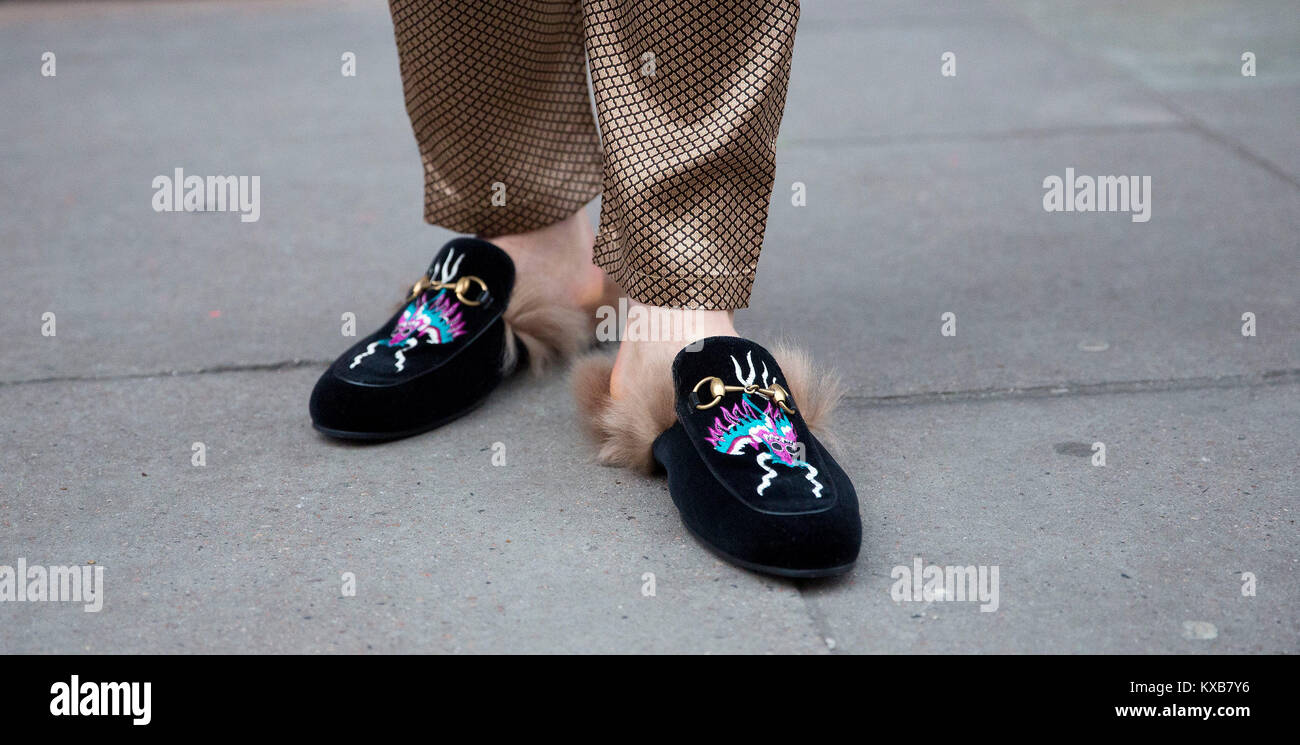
[[768, 431], [435, 317]]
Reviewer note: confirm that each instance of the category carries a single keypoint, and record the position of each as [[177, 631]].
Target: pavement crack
[[1225, 140], [1188, 119], [210, 370], [1068, 390], [921, 398], [820, 623]]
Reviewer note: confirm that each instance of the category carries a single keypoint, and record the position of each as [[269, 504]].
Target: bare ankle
[[649, 351], [571, 237], [557, 259]]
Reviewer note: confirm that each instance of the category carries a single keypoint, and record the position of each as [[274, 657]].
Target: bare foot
[[556, 260], [639, 359]]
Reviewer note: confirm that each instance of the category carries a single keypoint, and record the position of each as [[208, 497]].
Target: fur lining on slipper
[[549, 333], [625, 429], [817, 390]]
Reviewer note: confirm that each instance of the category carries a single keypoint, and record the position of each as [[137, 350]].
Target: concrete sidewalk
[[924, 196]]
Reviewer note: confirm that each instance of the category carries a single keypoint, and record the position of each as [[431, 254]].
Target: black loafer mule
[[435, 360], [745, 471]]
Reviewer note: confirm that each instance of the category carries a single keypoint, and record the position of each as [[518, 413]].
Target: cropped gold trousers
[[689, 97]]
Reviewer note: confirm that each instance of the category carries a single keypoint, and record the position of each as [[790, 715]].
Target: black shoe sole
[[340, 434], [772, 570]]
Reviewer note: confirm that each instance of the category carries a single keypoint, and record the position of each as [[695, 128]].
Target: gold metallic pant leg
[[497, 95], [689, 96], [690, 150]]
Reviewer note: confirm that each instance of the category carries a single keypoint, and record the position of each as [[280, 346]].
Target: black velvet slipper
[[735, 436], [463, 327]]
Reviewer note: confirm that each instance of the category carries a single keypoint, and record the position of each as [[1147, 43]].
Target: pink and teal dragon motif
[[434, 317], [744, 425], [768, 431]]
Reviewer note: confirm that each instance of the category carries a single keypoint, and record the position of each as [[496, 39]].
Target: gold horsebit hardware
[[718, 389], [461, 287]]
